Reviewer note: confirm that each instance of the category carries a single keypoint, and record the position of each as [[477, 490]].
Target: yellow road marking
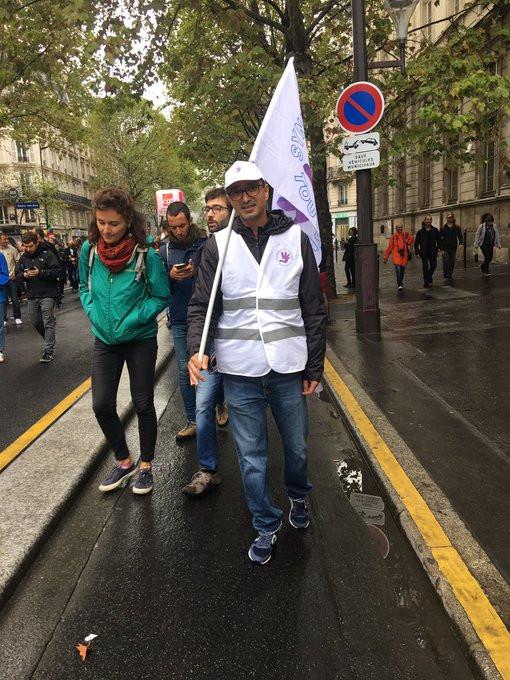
[[21, 443], [488, 625]]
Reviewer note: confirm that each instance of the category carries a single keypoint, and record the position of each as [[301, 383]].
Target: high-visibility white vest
[[261, 327]]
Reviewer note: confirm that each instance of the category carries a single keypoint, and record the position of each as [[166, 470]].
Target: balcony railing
[[74, 199]]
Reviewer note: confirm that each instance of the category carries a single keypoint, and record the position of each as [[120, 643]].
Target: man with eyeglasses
[[210, 399], [268, 326]]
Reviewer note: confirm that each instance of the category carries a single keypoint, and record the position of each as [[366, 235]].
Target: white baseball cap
[[242, 171]]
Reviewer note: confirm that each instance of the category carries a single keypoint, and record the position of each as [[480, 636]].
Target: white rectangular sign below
[[361, 161], [370, 141]]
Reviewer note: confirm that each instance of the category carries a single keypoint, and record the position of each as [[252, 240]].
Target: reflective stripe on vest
[[234, 304]]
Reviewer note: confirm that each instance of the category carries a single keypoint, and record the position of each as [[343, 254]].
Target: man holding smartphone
[[181, 256], [40, 270]]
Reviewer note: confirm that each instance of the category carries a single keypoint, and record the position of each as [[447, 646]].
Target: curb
[[28, 544], [478, 655]]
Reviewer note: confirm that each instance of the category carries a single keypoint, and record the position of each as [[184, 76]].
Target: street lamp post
[[368, 318], [43, 178]]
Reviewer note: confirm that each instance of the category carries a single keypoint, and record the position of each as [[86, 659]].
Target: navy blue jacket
[[181, 290]]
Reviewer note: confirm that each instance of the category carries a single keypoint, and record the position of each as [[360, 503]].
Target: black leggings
[[107, 364]]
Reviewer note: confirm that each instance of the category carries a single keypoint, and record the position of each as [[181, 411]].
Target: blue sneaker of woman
[[118, 477]]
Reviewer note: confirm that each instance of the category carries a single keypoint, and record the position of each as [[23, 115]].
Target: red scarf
[[116, 257]]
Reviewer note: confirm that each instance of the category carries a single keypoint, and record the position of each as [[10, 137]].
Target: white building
[[23, 168]]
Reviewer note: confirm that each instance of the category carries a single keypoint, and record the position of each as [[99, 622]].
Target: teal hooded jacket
[[120, 308]]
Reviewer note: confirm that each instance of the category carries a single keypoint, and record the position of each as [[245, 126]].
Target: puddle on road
[[410, 585]]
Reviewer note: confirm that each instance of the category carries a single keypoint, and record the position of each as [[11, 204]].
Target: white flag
[[281, 154]]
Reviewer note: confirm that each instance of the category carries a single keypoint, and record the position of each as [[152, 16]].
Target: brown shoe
[[222, 415], [200, 482], [188, 432]]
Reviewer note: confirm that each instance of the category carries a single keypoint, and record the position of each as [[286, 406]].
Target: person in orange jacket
[[399, 248]]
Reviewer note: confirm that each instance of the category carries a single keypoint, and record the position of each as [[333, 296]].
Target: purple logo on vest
[[284, 257]]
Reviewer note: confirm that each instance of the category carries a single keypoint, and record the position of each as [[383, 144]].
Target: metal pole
[[367, 267], [402, 53], [465, 248], [44, 188]]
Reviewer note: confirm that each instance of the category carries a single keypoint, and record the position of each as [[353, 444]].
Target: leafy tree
[[222, 60], [450, 98], [46, 58], [132, 147]]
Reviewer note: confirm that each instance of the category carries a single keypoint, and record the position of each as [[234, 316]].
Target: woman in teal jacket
[[123, 287]]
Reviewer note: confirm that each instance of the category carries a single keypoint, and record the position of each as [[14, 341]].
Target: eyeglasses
[[213, 208], [251, 190]]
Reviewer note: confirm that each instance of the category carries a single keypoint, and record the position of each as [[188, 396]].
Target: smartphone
[[183, 265]]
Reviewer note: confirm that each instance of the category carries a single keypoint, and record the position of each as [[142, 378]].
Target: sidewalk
[[438, 375]]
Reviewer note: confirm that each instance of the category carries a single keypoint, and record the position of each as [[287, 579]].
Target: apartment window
[[425, 167], [401, 186], [22, 153], [427, 18], [488, 167], [451, 184], [25, 182], [4, 216], [342, 194]]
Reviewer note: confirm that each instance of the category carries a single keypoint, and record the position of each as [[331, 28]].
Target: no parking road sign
[[360, 107]]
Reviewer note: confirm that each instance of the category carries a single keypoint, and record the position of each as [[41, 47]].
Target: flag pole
[[214, 290]]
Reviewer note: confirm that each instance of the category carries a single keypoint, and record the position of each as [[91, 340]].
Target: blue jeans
[[11, 290], [247, 400], [2, 330], [180, 335], [206, 399], [400, 271]]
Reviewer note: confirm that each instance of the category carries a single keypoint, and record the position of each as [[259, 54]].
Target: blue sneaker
[[262, 547], [118, 477], [144, 482], [299, 517]]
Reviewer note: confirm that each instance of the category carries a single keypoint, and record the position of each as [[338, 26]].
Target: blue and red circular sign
[[360, 107]]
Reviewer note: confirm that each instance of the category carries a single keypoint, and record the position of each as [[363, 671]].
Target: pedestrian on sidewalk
[[12, 256], [123, 288], [450, 236], [71, 258], [349, 257], [49, 243], [269, 330], [4, 281], [210, 400], [399, 246], [181, 256], [487, 238], [40, 270], [426, 246]]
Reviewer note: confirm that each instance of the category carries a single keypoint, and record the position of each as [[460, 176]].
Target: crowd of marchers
[[428, 244], [265, 344], [36, 268]]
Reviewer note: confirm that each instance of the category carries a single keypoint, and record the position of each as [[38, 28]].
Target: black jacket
[[449, 237], [427, 243], [46, 284], [310, 296]]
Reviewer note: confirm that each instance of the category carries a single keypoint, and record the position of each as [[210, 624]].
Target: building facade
[[341, 198], [54, 181], [422, 186]]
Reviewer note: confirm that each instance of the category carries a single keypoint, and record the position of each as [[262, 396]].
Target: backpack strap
[[92, 253], [141, 266]]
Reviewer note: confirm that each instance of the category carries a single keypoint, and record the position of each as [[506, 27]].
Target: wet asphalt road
[[439, 372], [166, 584], [30, 389]]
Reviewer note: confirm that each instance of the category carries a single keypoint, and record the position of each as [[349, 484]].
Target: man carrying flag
[[268, 325]]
